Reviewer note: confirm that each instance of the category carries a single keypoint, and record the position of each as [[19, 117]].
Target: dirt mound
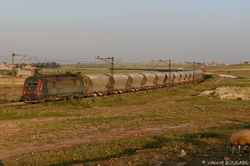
[[229, 93]]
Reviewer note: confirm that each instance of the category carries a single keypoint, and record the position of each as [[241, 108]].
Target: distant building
[[214, 63], [29, 68], [24, 73], [3, 66], [9, 66]]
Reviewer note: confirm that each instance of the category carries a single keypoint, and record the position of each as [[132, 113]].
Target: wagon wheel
[[41, 100], [70, 97]]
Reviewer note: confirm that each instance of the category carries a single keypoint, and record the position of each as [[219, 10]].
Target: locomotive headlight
[[24, 91]]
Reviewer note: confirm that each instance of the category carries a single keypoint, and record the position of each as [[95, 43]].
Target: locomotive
[[42, 88], [56, 87]]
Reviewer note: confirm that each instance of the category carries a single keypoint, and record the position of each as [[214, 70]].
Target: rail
[[16, 105]]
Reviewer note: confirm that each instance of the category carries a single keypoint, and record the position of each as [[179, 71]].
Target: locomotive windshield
[[31, 83]]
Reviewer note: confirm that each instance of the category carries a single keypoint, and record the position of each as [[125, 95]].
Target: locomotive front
[[32, 89]]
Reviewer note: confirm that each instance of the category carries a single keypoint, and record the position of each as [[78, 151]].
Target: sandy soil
[[229, 93]]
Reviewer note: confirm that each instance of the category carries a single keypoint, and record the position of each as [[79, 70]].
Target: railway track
[[16, 105]]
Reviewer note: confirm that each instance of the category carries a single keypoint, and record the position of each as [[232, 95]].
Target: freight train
[[56, 87]]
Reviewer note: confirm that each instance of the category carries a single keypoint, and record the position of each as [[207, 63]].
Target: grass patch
[[12, 113], [73, 104]]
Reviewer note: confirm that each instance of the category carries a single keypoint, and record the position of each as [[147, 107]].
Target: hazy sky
[[128, 30]]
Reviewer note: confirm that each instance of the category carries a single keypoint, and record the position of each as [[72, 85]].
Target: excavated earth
[[229, 93]]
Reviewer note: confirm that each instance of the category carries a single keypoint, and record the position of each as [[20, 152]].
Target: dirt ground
[[62, 140]]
